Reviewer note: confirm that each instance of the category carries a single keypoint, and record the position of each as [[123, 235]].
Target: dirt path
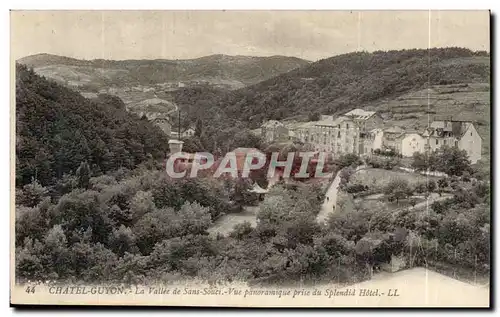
[[331, 197], [433, 197]]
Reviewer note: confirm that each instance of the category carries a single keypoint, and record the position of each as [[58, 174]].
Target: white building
[[461, 134], [412, 142]]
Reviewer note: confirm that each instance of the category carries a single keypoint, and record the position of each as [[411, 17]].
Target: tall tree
[[83, 175], [199, 127]]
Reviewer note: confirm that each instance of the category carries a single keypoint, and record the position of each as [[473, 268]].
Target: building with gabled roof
[[461, 134], [274, 130], [359, 114]]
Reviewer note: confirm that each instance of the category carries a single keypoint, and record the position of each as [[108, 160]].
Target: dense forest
[[142, 227], [338, 84], [57, 129]]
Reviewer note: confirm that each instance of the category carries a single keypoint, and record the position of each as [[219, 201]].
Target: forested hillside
[[57, 129], [344, 82], [235, 71]]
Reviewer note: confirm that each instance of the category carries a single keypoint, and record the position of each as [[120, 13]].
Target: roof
[[394, 129], [176, 130], [457, 128], [245, 150], [308, 124], [445, 125], [157, 116], [408, 133], [300, 125], [153, 105], [155, 101], [360, 114], [171, 141], [272, 124], [331, 123], [257, 189]]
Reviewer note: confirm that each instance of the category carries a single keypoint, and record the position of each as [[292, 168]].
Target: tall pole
[[179, 123]]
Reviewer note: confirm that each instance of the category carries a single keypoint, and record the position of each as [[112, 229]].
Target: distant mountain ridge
[[235, 71], [355, 80]]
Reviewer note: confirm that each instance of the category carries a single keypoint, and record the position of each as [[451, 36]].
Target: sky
[[310, 35]]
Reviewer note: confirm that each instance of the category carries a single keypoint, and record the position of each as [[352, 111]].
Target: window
[[444, 142], [437, 142], [471, 133], [338, 134], [456, 143], [347, 125]]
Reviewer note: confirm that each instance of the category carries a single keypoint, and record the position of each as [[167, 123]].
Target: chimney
[[175, 146]]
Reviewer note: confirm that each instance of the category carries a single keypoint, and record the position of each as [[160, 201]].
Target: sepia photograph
[[251, 158]]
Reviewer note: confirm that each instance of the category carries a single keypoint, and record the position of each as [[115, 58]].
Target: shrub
[[241, 230], [355, 188]]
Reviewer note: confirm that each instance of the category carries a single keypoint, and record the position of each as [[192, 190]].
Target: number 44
[[30, 289]]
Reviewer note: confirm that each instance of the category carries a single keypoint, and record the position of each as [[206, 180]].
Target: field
[[379, 178], [225, 224]]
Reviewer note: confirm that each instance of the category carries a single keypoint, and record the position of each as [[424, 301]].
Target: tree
[[122, 240], [345, 176], [397, 189], [193, 145], [31, 261], [57, 251], [442, 183], [452, 161], [240, 194], [466, 176], [349, 159], [198, 128], [366, 249], [420, 161], [274, 209], [420, 188], [141, 203], [31, 194], [314, 116], [482, 190], [81, 210], [83, 175], [431, 185]]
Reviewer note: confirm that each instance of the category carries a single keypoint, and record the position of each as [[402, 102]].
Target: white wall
[[378, 141], [412, 143], [471, 142]]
